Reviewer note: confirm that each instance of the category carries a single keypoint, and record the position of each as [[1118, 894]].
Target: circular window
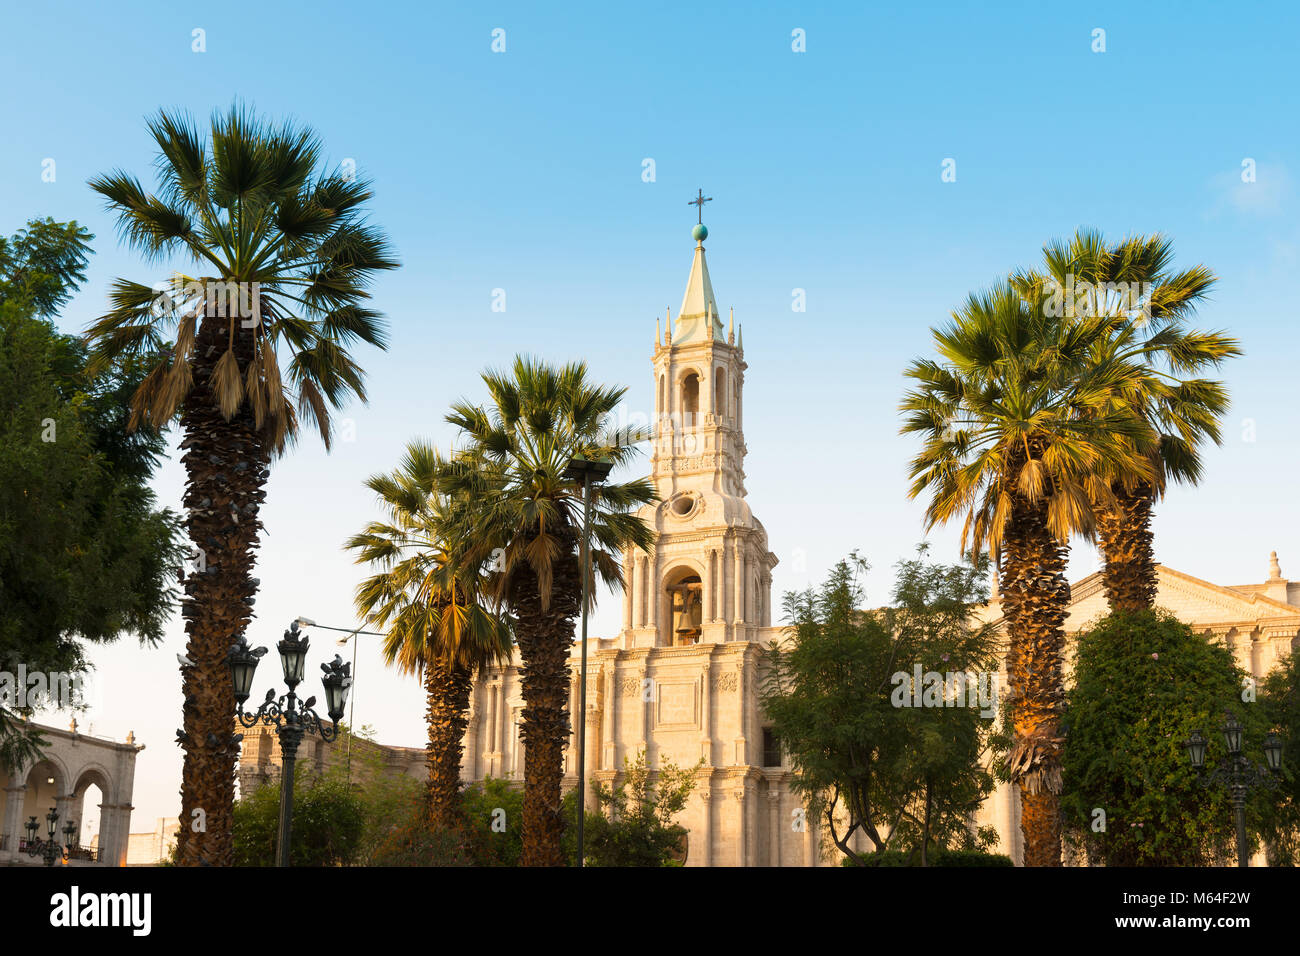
[[683, 505]]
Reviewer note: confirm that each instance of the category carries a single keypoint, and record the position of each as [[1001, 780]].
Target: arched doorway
[[45, 784], [88, 799], [690, 400]]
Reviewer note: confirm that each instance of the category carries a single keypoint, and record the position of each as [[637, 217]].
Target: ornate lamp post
[[49, 847], [291, 717], [589, 472], [1237, 773]]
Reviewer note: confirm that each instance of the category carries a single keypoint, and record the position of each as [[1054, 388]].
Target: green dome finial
[[700, 232]]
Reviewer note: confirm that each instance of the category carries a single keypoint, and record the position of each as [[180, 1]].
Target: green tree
[[526, 517], [85, 554], [43, 265], [838, 690], [362, 767], [826, 689], [429, 598], [282, 259], [635, 824], [1281, 809], [943, 776], [1143, 681], [328, 823], [1021, 431]]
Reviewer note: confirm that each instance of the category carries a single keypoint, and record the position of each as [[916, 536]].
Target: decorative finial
[[731, 327], [700, 232], [740, 338], [1274, 569], [659, 334]]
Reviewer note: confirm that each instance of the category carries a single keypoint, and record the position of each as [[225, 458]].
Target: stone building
[[72, 762], [259, 757], [680, 679]]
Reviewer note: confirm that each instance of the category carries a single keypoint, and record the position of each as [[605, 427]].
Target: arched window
[[690, 399], [684, 594], [661, 409], [720, 392]]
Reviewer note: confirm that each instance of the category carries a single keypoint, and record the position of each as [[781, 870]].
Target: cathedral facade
[[680, 681]]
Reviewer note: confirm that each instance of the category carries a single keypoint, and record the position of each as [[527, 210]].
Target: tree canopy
[[85, 554]]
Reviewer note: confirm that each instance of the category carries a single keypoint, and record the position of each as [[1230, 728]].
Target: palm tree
[[1017, 426], [282, 259], [429, 598], [1130, 283], [528, 517]]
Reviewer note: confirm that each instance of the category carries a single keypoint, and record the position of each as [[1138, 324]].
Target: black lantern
[[52, 821], [243, 664], [292, 718], [1237, 773], [337, 680], [293, 655], [1273, 751], [32, 829], [1232, 734]]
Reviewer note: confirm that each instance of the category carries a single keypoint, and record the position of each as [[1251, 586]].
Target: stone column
[[751, 599], [706, 715], [706, 585], [810, 841], [472, 744], [738, 560], [652, 594], [114, 835], [742, 842], [638, 590], [593, 744], [12, 825], [774, 803], [706, 837], [646, 708], [493, 722], [629, 572]]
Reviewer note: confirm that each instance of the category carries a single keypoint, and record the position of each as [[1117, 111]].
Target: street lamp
[[291, 718], [48, 848], [1236, 772], [588, 471]]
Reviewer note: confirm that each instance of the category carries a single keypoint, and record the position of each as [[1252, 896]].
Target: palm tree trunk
[[225, 465], [545, 637], [1125, 536], [448, 689], [1035, 594]]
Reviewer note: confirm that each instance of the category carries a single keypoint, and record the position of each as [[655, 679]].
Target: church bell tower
[[709, 577]]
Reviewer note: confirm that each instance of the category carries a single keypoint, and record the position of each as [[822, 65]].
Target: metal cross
[[699, 202]]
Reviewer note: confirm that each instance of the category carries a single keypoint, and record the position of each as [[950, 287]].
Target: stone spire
[[699, 311], [1274, 569]]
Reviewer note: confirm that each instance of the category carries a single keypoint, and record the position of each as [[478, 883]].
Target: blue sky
[[522, 171]]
